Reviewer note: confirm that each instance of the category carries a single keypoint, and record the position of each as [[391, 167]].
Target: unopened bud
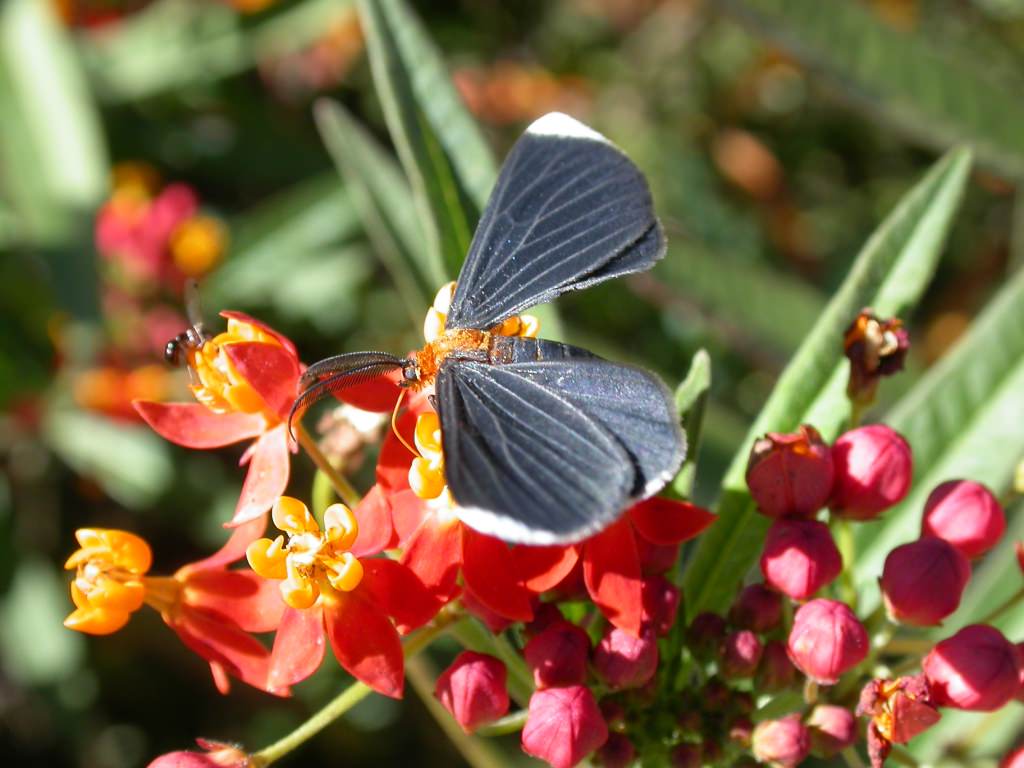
[[757, 608], [705, 634], [563, 726], [873, 469], [775, 672], [686, 756], [965, 514], [976, 669], [832, 730], [799, 557], [617, 752], [741, 652], [922, 581], [826, 640], [783, 743], [558, 655], [624, 661], [473, 690], [660, 604], [790, 474], [875, 347]]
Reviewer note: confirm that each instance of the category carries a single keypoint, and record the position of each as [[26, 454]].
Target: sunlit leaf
[[691, 398]]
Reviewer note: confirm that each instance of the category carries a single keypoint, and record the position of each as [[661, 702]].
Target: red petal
[[233, 549], [298, 647], [195, 426], [378, 395], [407, 513], [239, 653], [365, 643], [910, 717], [433, 553], [376, 532], [394, 460], [271, 370], [543, 568], [665, 521], [611, 569], [281, 338], [490, 573], [398, 592], [267, 477], [242, 597]]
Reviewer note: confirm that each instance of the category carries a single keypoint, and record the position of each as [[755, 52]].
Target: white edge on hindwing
[[560, 124]]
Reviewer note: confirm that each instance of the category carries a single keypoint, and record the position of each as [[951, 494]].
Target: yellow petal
[[425, 481], [342, 527], [96, 621], [433, 325], [529, 326], [268, 558], [345, 572], [119, 597], [292, 516], [443, 299], [428, 434], [299, 594]]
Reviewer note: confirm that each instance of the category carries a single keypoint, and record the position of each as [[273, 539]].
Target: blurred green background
[[144, 141]]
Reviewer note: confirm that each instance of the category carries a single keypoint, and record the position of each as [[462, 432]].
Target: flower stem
[[479, 754], [341, 485], [848, 551], [852, 758], [471, 634], [901, 756], [1017, 597], [505, 725], [345, 700]]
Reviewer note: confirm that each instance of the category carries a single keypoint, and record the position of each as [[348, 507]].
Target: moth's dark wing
[[524, 464], [569, 210], [631, 403]]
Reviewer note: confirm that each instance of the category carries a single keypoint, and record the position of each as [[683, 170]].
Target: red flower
[[330, 591], [212, 609], [899, 710], [563, 726], [247, 379], [611, 563], [790, 474]]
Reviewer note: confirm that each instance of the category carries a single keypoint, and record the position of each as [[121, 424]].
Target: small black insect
[[193, 337], [543, 442]]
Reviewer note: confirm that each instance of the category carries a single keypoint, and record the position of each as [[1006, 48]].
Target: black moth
[[544, 443]]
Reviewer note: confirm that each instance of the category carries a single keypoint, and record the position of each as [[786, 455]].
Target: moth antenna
[[347, 378]]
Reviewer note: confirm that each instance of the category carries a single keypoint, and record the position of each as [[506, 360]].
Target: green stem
[[322, 495], [851, 757], [505, 725], [1010, 603], [345, 700], [471, 634], [479, 754], [341, 485], [848, 551], [901, 756]]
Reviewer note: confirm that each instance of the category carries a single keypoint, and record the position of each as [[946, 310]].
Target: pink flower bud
[[493, 621], [741, 652], [741, 730], [544, 615], [922, 581], [558, 656], [563, 726], [613, 713], [757, 608], [976, 669], [790, 474], [775, 672], [617, 752], [216, 754], [624, 661], [705, 635], [686, 756], [832, 729], [783, 743], [873, 467], [1013, 760], [965, 514], [660, 604], [473, 690], [799, 558], [826, 640]]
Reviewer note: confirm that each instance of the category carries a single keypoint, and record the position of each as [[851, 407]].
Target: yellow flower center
[[217, 383], [109, 583], [308, 562]]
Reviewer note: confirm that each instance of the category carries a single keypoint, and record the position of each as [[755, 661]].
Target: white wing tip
[[560, 124]]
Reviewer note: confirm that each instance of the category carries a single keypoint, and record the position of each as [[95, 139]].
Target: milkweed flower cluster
[[595, 651]]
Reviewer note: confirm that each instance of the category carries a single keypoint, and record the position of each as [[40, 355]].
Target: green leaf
[[382, 197], [932, 92], [961, 420], [891, 272], [444, 155], [691, 398]]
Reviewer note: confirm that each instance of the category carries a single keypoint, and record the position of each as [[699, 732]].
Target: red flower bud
[[799, 557], [544, 615], [473, 690], [624, 661], [922, 581], [613, 713], [617, 752], [783, 743], [741, 652], [775, 672], [832, 728], [686, 756], [660, 603], [216, 754], [965, 514], [558, 656], [757, 608], [1013, 760], [873, 468], [790, 474], [705, 635], [976, 669], [563, 726], [493, 621], [741, 730], [826, 640]]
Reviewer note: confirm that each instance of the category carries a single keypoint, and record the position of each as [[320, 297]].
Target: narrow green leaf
[[384, 202], [933, 93], [691, 398], [441, 148], [890, 274], [961, 420]]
